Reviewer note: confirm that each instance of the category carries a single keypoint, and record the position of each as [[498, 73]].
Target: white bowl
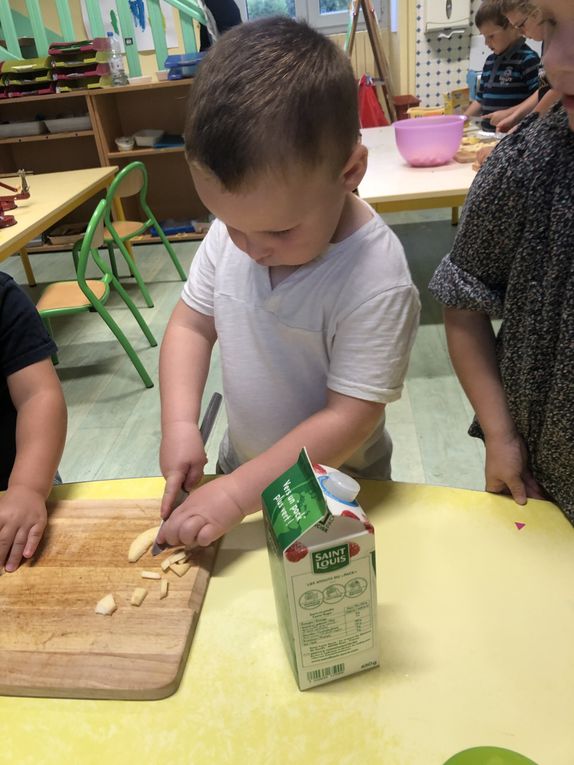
[[125, 143]]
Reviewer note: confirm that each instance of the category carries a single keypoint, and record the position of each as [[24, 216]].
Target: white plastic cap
[[342, 486]]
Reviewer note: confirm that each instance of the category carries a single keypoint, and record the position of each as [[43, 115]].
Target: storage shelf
[[144, 152], [46, 136], [174, 238]]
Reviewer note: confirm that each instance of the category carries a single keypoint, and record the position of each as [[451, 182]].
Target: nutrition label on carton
[[334, 613]]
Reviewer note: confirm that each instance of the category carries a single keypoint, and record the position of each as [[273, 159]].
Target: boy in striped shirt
[[510, 73]]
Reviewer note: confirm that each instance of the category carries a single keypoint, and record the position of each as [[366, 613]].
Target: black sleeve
[[23, 338], [225, 14]]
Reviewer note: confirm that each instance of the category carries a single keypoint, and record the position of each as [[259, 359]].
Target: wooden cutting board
[[52, 643]]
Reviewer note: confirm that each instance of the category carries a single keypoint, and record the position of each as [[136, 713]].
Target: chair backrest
[[129, 181]]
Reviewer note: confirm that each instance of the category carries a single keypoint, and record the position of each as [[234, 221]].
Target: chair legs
[[125, 343], [46, 322], [112, 257], [134, 270], [136, 314], [167, 244]]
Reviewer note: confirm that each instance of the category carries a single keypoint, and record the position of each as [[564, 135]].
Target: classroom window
[[329, 16]]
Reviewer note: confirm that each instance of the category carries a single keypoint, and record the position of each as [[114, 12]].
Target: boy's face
[[526, 24], [498, 39], [277, 221], [556, 19]]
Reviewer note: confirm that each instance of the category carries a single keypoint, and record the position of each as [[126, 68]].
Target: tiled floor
[[114, 426]]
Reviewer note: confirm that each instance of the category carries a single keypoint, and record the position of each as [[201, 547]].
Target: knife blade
[[205, 431]]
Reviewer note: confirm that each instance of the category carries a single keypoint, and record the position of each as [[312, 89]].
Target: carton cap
[[341, 486]]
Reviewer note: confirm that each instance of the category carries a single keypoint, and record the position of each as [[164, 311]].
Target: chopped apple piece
[[150, 575], [177, 557], [163, 588], [106, 606], [142, 544], [180, 568], [165, 564], [138, 596]]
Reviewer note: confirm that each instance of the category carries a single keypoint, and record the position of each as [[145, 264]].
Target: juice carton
[[322, 556]]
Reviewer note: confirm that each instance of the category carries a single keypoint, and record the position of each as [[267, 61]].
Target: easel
[[381, 63]]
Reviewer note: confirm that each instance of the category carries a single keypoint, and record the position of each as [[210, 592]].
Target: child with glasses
[[510, 73], [522, 15]]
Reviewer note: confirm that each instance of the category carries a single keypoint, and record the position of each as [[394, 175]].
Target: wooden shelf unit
[[46, 137], [113, 112]]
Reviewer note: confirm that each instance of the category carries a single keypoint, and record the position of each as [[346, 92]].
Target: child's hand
[[182, 459], [23, 518], [507, 470], [506, 125], [205, 516]]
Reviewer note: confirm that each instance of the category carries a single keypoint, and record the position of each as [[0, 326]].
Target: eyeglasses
[[520, 27]]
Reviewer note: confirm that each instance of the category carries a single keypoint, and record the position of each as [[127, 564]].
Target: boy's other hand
[[497, 118], [182, 459], [208, 513], [507, 470], [23, 518]]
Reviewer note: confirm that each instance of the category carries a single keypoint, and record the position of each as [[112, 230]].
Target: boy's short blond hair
[[269, 95], [491, 11]]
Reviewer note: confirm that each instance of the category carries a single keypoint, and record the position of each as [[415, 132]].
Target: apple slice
[[106, 606], [142, 544], [138, 596]]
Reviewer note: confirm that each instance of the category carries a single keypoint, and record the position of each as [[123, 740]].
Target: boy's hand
[[496, 118], [507, 470], [204, 516], [23, 518], [182, 459]]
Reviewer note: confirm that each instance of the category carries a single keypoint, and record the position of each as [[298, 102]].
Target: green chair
[[128, 182], [71, 297]]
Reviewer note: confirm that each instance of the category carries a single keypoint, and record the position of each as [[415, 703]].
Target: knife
[[205, 430]]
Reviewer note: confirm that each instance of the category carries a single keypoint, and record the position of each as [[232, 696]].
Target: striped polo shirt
[[507, 79]]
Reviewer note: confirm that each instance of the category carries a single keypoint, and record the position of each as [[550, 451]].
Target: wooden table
[[53, 195], [392, 185], [476, 619]]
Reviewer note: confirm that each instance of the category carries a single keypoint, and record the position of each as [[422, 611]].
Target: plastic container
[[141, 80], [429, 141], [12, 129], [116, 61], [125, 143], [148, 138], [181, 66], [69, 124]]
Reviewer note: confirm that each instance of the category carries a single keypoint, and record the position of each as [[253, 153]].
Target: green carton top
[[294, 502]]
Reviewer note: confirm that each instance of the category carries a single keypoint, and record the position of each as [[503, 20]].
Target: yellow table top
[[389, 179], [476, 619], [53, 195]]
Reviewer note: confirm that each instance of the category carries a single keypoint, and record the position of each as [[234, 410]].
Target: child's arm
[[184, 365], [471, 345], [473, 110], [331, 436], [40, 435], [547, 101]]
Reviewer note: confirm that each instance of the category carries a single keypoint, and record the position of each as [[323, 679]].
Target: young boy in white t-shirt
[[305, 288]]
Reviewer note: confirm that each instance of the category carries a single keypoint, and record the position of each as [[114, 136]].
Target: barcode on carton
[[321, 674]]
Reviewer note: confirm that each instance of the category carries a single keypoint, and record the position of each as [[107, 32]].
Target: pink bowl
[[429, 141]]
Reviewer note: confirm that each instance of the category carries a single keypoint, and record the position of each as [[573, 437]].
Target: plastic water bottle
[[116, 62]]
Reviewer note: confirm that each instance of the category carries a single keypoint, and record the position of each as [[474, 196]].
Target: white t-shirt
[[345, 321]]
